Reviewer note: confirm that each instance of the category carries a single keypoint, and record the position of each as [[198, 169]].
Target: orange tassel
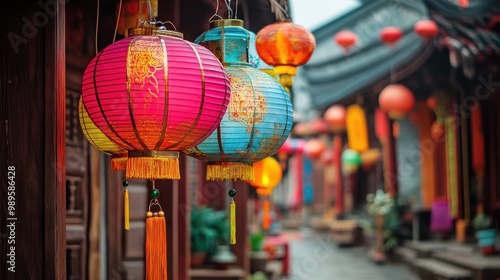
[[266, 220], [156, 247]]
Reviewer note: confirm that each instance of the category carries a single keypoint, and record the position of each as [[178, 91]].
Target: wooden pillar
[[391, 171], [32, 128], [339, 181]]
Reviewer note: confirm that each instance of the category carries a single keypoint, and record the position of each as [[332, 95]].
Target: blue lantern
[[259, 115]]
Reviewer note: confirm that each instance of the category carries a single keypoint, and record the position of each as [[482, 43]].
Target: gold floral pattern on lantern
[[246, 106]]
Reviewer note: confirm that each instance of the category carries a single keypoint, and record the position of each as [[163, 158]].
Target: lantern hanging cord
[[97, 27], [236, 13], [229, 9], [276, 3], [118, 19], [216, 14], [150, 11]]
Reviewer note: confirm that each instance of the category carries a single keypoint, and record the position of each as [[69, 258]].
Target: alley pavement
[[316, 256]]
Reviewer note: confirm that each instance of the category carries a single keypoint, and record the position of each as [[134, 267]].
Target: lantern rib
[[130, 106], [203, 93], [166, 102], [98, 100], [84, 125]]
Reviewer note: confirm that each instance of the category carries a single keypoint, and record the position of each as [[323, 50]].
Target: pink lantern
[[154, 96], [327, 157], [396, 100], [318, 126], [336, 117], [426, 29], [391, 35], [314, 148], [346, 39]]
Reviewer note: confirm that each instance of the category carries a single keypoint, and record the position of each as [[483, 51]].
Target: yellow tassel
[[156, 248], [232, 221], [126, 210], [232, 171], [266, 221], [152, 168], [118, 163]]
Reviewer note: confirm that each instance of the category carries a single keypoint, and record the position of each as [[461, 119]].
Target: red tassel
[[266, 220]]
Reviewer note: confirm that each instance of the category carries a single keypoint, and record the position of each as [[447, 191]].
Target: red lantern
[[346, 39], [463, 3], [285, 46], [437, 132], [396, 100], [336, 117], [154, 96], [327, 157], [302, 129], [318, 126], [432, 102], [426, 29], [314, 148], [391, 35]]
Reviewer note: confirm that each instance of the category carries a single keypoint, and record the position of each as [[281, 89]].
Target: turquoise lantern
[[259, 115]]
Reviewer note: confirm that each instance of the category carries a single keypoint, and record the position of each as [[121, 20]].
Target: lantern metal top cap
[[226, 22], [154, 31]]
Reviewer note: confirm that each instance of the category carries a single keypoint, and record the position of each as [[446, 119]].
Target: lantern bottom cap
[[152, 167], [285, 70], [230, 171]]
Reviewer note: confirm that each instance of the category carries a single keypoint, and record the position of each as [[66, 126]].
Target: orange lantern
[[268, 174], [302, 129], [314, 148], [285, 46], [319, 126], [346, 39], [426, 29], [396, 100], [335, 116], [370, 157]]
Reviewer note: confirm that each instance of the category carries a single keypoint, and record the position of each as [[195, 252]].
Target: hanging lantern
[[357, 129], [259, 115], [326, 157], [391, 35], [302, 129], [314, 148], [426, 29], [370, 158], [284, 152], [437, 132], [253, 55], [463, 3], [396, 100], [351, 160], [268, 175], [154, 94], [98, 139], [432, 102], [336, 117], [319, 126], [345, 39], [285, 46]]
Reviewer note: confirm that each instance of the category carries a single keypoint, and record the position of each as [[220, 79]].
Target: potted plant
[[222, 257], [202, 236], [258, 257], [485, 233]]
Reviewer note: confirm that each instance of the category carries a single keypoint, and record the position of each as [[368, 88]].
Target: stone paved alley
[[315, 256]]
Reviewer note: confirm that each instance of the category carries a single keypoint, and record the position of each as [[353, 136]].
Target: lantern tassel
[[156, 248], [266, 220], [232, 220], [118, 163], [152, 168], [234, 171], [126, 210]]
